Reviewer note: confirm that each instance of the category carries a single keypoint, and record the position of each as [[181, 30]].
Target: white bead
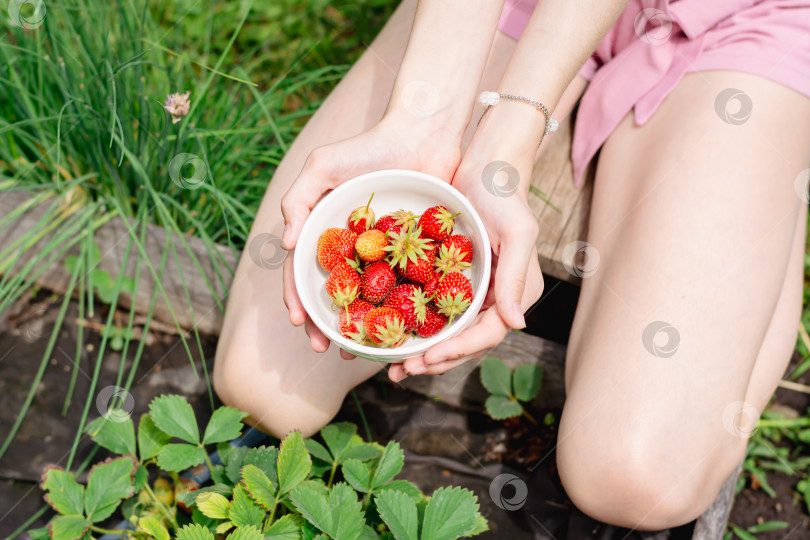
[[489, 98], [552, 125]]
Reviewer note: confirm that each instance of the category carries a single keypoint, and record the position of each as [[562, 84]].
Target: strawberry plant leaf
[[405, 487], [107, 484], [153, 527], [398, 511], [68, 527], [500, 407], [259, 487], [243, 510], [175, 417], [389, 465], [369, 534], [526, 380], [481, 526], [141, 478], [39, 534], [114, 431], [495, 376], [64, 494], [363, 451], [150, 437], [180, 456], [318, 450], [451, 513], [357, 474], [347, 513], [194, 531], [311, 503], [286, 528], [224, 527], [265, 458], [248, 532], [338, 438], [213, 505], [294, 462], [233, 465], [225, 425]]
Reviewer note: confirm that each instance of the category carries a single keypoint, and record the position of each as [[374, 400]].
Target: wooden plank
[[712, 523], [567, 220]]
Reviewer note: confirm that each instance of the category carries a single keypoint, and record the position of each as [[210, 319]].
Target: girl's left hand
[[517, 281]]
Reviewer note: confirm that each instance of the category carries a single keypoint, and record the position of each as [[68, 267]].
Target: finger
[[317, 339], [346, 355], [486, 333], [297, 314], [397, 373], [299, 200], [510, 275], [444, 367], [415, 366]]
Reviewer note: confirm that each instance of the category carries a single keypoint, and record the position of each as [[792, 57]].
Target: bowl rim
[[416, 348]]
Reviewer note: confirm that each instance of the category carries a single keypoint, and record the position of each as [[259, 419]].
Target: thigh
[[698, 225]]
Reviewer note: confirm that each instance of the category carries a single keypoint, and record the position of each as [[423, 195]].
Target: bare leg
[[698, 225], [264, 365]]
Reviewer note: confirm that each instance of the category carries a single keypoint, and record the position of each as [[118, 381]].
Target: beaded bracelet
[[489, 99]]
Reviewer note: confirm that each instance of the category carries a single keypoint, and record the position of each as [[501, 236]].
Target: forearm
[[440, 72], [559, 38]]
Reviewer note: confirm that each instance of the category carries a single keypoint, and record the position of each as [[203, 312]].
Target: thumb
[[510, 279], [302, 196]]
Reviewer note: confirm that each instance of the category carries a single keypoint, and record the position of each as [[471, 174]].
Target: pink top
[[656, 42]]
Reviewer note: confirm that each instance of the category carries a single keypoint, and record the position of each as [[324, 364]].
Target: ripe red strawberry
[[407, 246], [410, 301], [421, 271], [385, 327], [395, 221], [362, 218], [335, 245], [434, 322], [455, 254], [371, 245], [437, 222], [453, 295], [430, 286], [351, 320], [343, 284], [377, 281]]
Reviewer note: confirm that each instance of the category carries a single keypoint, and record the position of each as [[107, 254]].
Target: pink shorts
[[656, 42]]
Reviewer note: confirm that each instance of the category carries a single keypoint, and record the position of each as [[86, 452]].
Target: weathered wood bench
[[561, 210]]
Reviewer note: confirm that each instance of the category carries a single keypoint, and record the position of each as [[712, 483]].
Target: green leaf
[[150, 437], [481, 526], [405, 487], [107, 484], [141, 478], [357, 474], [294, 462], [495, 376], [768, 526], [347, 513], [318, 450], [224, 527], [265, 458], [174, 415], [500, 407], [312, 504], [389, 465], [213, 505], [243, 510], [369, 533], [398, 511], [363, 451], [338, 437], [180, 456], [68, 527], [225, 425], [153, 527], [286, 528], [248, 532], [451, 513], [64, 494], [114, 431], [742, 533], [259, 487], [194, 531], [39, 534], [526, 380], [233, 465]]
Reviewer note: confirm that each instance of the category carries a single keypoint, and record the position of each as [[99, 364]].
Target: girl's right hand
[[388, 145]]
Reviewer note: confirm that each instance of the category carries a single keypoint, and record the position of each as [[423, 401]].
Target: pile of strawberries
[[398, 276]]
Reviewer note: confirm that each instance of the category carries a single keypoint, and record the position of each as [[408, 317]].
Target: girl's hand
[[391, 144], [501, 200]]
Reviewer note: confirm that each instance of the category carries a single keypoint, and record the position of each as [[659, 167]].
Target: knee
[[638, 483]]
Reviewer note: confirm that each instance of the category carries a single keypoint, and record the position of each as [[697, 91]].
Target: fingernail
[[418, 370], [518, 314], [285, 237]]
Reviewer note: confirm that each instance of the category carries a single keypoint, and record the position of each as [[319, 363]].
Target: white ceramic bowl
[[393, 190]]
